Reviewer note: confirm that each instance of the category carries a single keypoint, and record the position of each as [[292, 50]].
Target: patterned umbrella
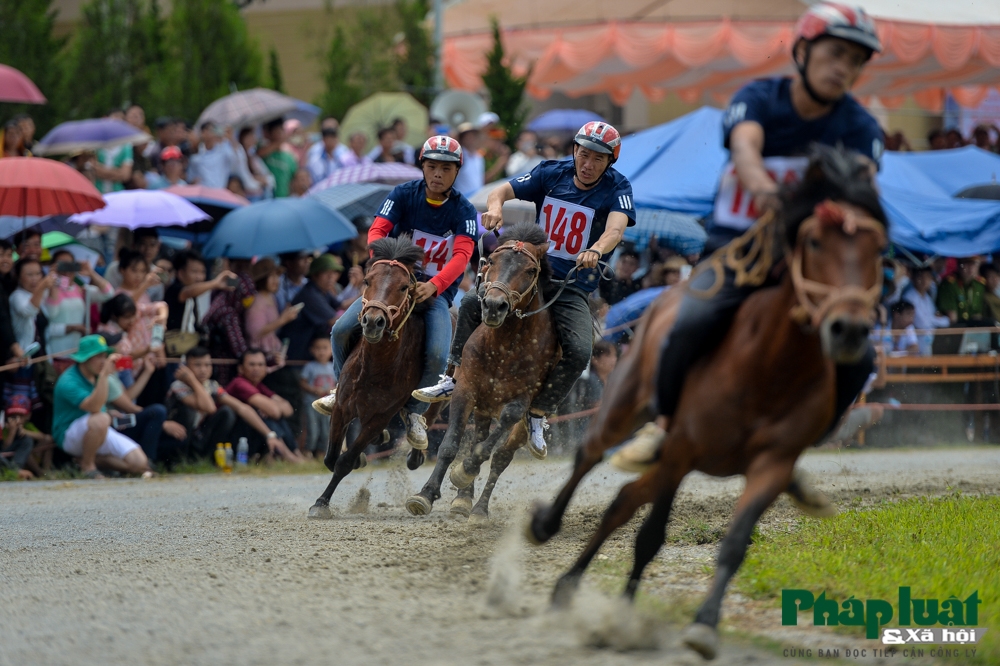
[[132, 209], [77, 136], [391, 173], [253, 107], [678, 231], [354, 199], [17, 88]]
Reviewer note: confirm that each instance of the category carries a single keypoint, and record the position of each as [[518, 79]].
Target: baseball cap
[[18, 404], [171, 153], [487, 118]]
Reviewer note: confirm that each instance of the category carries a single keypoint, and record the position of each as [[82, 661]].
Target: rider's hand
[[588, 258], [426, 291], [766, 200], [493, 219]]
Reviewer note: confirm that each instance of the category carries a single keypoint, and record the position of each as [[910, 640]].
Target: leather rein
[[816, 299], [391, 312]]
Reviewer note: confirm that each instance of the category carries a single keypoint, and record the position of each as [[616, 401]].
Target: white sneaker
[[416, 433], [438, 393], [325, 404], [537, 425]]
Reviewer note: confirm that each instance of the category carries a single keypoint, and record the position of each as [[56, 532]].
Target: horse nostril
[[837, 328], [503, 306]]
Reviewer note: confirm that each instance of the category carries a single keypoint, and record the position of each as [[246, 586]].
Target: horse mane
[[529, 232], [400, 249], [836, 174]]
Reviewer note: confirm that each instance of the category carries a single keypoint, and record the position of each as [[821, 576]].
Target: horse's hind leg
[[370, 431], [463, 474], [766, 479], [501, 459], [459, 478], [630, 498], [338, 426], [421, 503]]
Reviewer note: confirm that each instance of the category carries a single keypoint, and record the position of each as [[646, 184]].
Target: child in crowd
[[22, 445], [317, 380], [905, 343]]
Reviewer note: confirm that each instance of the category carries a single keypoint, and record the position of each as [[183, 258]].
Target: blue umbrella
[[278, 226], [622, 315], [680, 232], [11, 225], [77, 136], [562, 120]]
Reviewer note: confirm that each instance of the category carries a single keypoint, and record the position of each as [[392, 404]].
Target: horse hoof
[[414, 459], [478, 518], [461, 506], [459, 478], [809, 499], [320, 511], [418, 505], [362, 461], [701, 638], [565, 590], [534, 532]]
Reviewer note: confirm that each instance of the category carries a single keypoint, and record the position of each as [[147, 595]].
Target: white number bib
[[567, 226], [437, 251], [734, 206]]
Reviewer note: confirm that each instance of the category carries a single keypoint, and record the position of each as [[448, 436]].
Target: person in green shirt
[[81, 425], [280, 163], [961, 296]]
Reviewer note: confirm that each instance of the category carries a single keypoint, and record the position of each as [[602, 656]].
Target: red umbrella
[[18, 88], [38, 187]]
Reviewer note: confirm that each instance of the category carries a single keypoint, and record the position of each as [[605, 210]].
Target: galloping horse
[[503, 366], [385, 365], [765, 394]]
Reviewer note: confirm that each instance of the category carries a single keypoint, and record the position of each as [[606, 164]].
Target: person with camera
[[81, 425], [67, 306]]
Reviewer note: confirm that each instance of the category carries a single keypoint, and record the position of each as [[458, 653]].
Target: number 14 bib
[[734, 206], [437, 251], [567, 225]]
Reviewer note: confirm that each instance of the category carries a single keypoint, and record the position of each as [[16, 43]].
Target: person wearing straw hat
[[81, 425]]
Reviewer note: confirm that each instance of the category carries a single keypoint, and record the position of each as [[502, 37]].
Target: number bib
[[734, 206], [437, 251], [567, 226]]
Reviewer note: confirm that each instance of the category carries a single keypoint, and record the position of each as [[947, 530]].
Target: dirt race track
[[227, 570]]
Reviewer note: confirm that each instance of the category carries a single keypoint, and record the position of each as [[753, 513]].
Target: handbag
[[180, 342]]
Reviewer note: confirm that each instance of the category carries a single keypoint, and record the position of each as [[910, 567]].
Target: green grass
[[939, 547]]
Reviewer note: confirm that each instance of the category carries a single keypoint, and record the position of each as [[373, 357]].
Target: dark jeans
[[574, 326], [21, 448], [257, 441], [701, 325], [213, 429], [285, 382], [148, 434]]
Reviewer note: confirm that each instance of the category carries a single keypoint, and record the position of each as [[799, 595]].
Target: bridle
[[512, 297], [392, 311], [816, 299]]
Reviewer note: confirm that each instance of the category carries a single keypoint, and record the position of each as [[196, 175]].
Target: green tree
[[506, 90], [340, 93], [418, 62], [210, 54], [274, 67], [28, 45]]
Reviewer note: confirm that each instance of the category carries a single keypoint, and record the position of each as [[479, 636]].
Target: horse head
[[837, 230], [387, 295], [512, 273]]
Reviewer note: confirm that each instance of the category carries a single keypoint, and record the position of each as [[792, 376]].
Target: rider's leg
[[575, 327], [345, 332], [469, 317], [437, 337]]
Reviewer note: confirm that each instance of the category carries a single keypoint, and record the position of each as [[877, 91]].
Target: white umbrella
[[514, 211], [132, 209]]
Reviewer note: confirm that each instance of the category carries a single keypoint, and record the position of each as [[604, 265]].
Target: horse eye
[[403, 290], [814, 244]]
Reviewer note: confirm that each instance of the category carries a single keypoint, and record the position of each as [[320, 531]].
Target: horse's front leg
[[370, 432], [464, 474], [338, 426], [501, 459], [421, 503]]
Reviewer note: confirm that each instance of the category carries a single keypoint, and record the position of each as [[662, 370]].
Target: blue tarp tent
[[676, 167]]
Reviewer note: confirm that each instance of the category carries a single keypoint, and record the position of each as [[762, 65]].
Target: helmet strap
[[816, 97]]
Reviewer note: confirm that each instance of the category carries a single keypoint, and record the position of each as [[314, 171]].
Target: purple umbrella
[[77, 136], [143, 208]]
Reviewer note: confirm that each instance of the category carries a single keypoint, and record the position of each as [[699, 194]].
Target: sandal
[[94, 475]]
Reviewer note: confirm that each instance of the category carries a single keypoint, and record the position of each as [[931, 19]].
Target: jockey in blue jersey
[[442, 222], [768, 129], [584, 205]]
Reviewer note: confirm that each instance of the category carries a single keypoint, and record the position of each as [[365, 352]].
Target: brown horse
[[385, 365], [503, 366], [765, 394]]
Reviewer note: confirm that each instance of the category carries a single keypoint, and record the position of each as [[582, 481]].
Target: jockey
[[584, 206], [443, 223], [767, 128]]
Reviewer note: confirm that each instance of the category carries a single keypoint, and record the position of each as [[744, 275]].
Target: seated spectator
[[317, 380], [925, 316], [904, 343], [320, 306], [145, 241], [191, 286], [272, 409], [137, 278], [623, 285], [81, 425], [164, 267], [22, 444], [301, 182], [224, 319], [121, 317], [29, 245], [262, 318], [960, 296], [171, 170], [990, 275], [296, 266], [202, 406], [67, 306]]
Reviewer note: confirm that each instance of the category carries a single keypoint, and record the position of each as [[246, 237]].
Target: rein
[[816, 299], [392, 311]]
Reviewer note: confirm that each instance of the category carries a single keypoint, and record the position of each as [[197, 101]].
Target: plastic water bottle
[[242, 452], [229, 458], [220, 456]]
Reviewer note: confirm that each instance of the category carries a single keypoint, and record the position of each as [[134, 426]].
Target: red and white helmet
[[441, 148], [601, 137], [832, 19]]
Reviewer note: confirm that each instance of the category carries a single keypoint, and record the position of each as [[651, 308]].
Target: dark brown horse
[[503, 366], [384, 367], [754, 404]]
